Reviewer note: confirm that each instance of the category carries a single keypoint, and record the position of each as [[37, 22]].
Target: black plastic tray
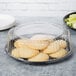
[[50, 61]]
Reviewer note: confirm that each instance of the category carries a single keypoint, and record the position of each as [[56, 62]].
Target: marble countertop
[[11, 67]]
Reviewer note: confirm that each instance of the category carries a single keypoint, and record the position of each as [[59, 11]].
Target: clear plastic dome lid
[[37, 36], [38, 28]]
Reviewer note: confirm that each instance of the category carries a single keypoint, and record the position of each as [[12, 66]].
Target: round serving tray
[[50, 61]]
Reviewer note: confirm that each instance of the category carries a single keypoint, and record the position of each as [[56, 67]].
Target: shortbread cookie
[[15, 53], [27, 53], [42, 37], [37, 44], [39, 58], [53, 47], [24, 52], [59, 54], [61, 43], [20, 43]]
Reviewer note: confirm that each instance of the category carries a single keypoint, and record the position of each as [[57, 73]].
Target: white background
[[37, 7]]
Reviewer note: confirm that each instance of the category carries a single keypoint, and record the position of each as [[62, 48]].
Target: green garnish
[[71, 20]]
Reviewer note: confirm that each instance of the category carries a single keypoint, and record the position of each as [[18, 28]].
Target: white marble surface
[[37, 7], [11, 67], [19, 8]]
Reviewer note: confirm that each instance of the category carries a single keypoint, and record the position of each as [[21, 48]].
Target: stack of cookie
[[39, 48]]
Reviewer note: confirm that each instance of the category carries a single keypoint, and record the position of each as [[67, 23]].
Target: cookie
[[37, 44], [15, 53], [61, 43], [24, 52], [20, 43], [39, 58], [42, 37], [59, 54], [53, 47]]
